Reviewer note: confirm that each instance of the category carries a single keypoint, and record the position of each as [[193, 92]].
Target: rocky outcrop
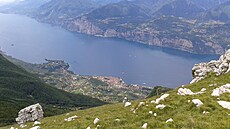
[[224, 104], [30, 113], [218, 67], [221, 90], [186, 91], [82, 25], [197, 102], [162, 98], [143, 35]]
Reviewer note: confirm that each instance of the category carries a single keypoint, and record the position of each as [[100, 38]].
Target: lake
[[26, 39]]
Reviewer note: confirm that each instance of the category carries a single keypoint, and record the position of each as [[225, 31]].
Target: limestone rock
[[169, 120], [128, 104], [30, 113], [186, 91], [35, 127], [219, 67], [224, 104], [96, 121], [206, 112], [197, 102], [36, 123], [150, 112], [23, 126], [71, 118], [160, 106], [144, 126], [163, 97], [221, 90]]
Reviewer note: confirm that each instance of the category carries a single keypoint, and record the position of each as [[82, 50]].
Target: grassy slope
[[19, 89], [185, 115]]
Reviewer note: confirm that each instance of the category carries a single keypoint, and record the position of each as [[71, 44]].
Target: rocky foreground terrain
[[202, 104], [109, 89]]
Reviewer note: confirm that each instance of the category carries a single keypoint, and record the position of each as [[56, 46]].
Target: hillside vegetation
[[184, 113], [19, 89], [109, 89]]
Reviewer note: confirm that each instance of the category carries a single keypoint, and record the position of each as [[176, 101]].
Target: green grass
[[185, 115], [19, 89]]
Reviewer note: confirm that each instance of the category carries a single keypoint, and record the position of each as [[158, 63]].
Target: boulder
[[140, 104], [160, 106], [144, 126], [169, 120], [96, 121], [23, 126], [163, 97], [197, 102], [128, 104], [71, 118], [221, 90], [30, 113], [36, 123], [150, 112], [35, 127], [224, 104], [219, 67], [186, 91]]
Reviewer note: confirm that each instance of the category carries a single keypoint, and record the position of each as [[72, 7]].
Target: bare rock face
[[219, 67], [30, 113]]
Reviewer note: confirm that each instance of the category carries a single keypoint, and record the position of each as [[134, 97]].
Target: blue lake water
[[26, 39]]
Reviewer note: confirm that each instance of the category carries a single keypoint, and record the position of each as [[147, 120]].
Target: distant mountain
[[19, 89], [208, 4], [219, 13], [58, 11], [22, 6], [139, 21], [180, 8]]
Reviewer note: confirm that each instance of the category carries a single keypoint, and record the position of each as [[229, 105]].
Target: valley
[[114, 64], [202, 104], [87, 55], [108, 89]]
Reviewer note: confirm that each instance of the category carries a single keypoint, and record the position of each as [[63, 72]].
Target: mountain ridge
[[131, 20], [19, 89]]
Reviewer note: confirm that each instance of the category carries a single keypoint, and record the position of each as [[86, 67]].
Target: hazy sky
[[6, 1]]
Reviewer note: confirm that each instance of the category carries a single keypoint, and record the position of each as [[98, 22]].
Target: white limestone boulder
[[36, 123], [144, 126], [96, 121], [30, 113], [160, 106], [169, 120], [197, 102], [71, 118], [186, 91], [35, 127], [221, 90], [163, 97], [224, 104], [127, 104]]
